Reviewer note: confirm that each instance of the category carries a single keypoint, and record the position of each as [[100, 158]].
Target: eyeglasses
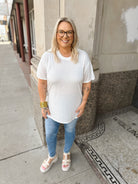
[[61, 33]]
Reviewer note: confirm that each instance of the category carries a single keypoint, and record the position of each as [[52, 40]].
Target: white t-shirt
[[64, 83]]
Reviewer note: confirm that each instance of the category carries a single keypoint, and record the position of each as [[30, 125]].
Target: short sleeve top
[[64, 83]]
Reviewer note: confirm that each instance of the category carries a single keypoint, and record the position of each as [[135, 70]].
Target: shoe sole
[[43, 171]]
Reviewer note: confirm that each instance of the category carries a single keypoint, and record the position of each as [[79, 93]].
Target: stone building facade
[[108, 31]]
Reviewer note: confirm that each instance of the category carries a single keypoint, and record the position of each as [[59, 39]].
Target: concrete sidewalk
[[21, 150]]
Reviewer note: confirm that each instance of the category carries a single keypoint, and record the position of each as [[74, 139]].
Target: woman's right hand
[[45, 112]]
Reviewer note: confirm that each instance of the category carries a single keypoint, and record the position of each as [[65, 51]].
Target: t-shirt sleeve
[[88, 74], [41, 69]]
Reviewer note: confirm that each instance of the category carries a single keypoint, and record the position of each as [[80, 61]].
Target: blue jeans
[[51, 128]]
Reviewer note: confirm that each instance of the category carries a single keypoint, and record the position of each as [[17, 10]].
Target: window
[[32, 32]]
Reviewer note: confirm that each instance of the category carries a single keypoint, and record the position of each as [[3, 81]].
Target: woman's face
[[65, 35]]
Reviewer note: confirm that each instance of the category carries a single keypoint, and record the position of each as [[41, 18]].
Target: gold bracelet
[[43, 104]]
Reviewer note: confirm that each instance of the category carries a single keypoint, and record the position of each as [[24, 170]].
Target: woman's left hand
[[80, 110]]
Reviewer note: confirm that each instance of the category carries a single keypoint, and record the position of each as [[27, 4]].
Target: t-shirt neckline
[[62, 57]]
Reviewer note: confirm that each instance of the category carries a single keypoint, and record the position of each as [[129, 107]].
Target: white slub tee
[[64, 83]]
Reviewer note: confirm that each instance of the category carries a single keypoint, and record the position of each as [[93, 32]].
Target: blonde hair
[[54, 44]]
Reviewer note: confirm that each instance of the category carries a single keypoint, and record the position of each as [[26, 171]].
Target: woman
[[64, 73]]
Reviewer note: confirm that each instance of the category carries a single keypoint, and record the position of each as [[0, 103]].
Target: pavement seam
[[12, 156], [73, 175]]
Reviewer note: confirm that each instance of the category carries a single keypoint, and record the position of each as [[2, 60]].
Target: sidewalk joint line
[[74, 175], [20, 153]]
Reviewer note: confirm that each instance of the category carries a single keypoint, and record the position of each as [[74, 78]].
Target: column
[[12, 32], [20, 31], [26, 14]]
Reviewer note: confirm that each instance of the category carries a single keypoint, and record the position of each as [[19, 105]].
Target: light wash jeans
[[51, 128]]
